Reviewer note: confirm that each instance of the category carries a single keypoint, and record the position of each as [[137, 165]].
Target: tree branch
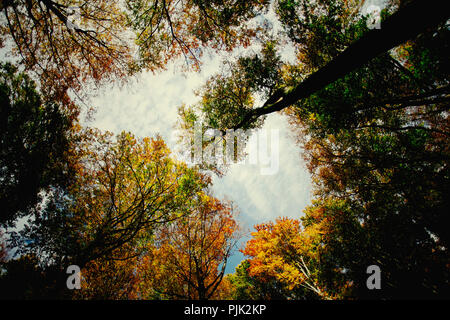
[[401, 26]]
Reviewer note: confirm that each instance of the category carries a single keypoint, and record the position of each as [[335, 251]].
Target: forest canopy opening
[[365, 95]]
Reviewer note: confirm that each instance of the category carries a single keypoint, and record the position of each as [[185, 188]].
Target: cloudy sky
[[148, 105]]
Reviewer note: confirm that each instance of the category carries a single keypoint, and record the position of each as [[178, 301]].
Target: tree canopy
[[368, 106]]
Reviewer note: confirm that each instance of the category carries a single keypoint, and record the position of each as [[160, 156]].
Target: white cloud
[[148, 104]]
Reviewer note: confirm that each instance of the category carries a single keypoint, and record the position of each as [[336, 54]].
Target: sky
[[148, 106]]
